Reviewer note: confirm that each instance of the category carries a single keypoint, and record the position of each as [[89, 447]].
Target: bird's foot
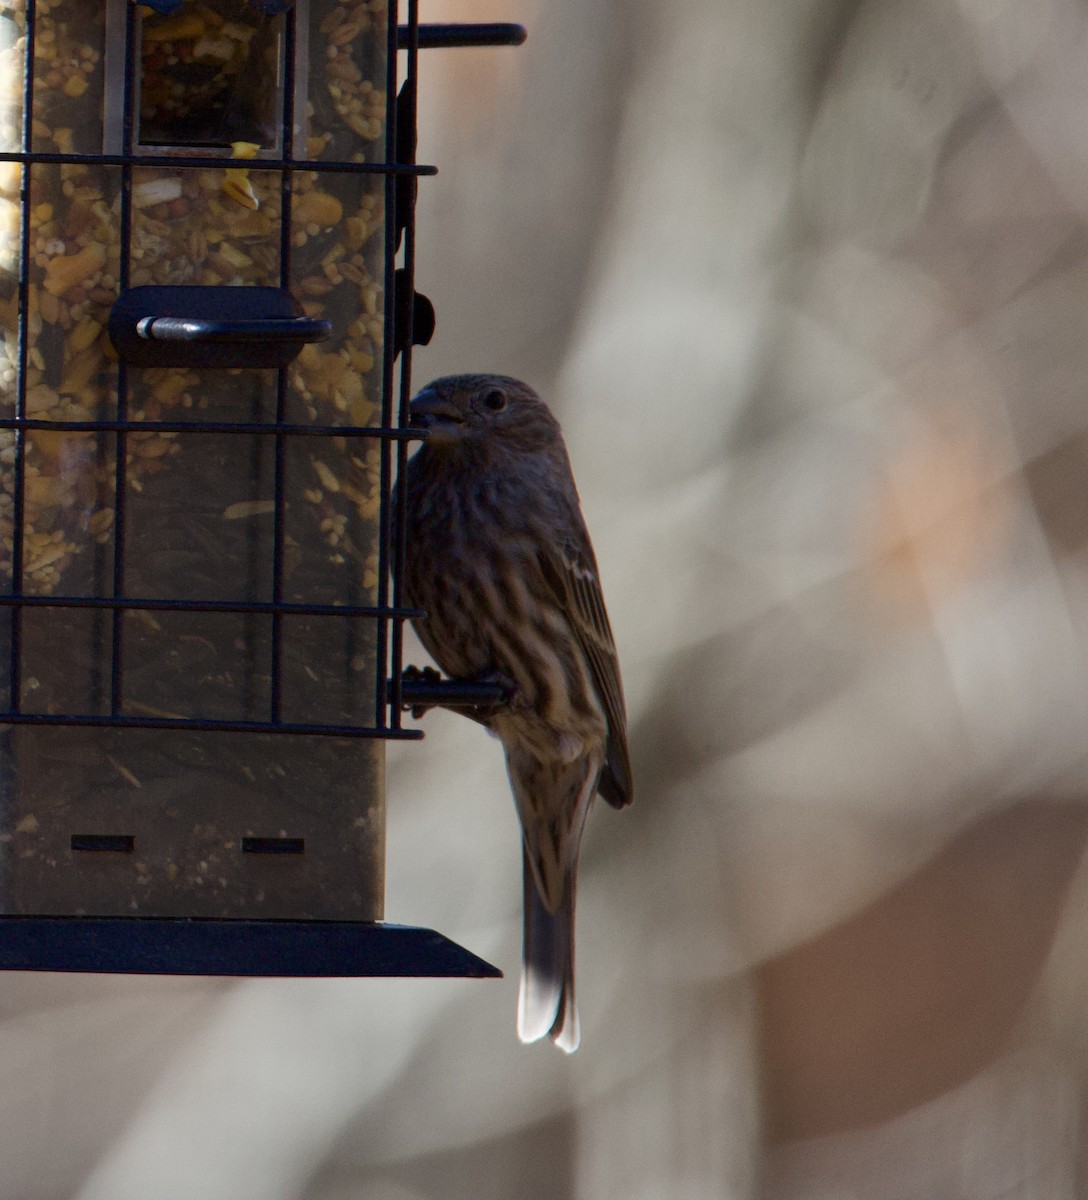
[[413, 674]]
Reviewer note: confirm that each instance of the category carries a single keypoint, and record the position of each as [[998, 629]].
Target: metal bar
[[279, 485], [279, 510], [204, 725], [445, 37], [20, 447], [264, 427], [395, 698], [450, 693], [217, 162], [257, 607], [201, 325], [120, 448], [272, 329], [385, 665]]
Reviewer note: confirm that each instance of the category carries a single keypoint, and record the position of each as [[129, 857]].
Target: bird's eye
[[493, 400]]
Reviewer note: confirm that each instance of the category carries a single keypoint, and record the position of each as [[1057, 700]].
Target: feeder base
[[204, 946]]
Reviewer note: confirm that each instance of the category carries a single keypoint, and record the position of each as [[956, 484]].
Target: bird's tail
[[546, 1002]]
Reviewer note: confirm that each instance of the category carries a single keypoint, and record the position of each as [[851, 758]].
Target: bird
[[499, 559]]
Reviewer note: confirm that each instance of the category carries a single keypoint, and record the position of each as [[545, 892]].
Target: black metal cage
[[206, 281]]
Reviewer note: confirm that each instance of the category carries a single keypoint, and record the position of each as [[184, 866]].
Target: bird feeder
[[207, 309]]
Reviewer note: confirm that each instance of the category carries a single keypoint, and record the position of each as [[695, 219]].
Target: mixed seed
[[188, 226]]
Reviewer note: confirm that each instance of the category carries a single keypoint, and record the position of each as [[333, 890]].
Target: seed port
[[198, 88], [273, 845], [104, 843]]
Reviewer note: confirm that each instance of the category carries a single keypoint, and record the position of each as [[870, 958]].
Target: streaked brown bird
[[499, 557]]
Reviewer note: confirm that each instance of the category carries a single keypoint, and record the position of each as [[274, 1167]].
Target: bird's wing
[[571, 572]]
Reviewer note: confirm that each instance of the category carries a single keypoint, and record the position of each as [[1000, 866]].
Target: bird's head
[[483, 410]]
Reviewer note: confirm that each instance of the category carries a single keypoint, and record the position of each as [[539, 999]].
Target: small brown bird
[[499, 557]]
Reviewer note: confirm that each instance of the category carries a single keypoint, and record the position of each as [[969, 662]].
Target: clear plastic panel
[[343, 80], [183, 821], [211, 75]]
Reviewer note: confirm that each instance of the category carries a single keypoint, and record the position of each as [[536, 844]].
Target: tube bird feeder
[[207, 312]]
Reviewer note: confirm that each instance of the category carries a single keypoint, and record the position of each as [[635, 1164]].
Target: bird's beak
[[442, 419]]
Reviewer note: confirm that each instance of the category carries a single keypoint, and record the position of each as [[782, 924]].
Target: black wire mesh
[[385, 614]]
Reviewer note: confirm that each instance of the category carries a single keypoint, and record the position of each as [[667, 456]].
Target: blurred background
[[807, 285]]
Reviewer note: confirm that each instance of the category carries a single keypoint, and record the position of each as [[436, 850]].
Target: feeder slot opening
[[273, 845], [110, 843], [203, 77], [208, 83]]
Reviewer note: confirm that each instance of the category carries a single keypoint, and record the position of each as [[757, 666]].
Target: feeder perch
[[208, 308]]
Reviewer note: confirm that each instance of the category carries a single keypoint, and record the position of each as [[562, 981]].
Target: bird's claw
[[427, 675]]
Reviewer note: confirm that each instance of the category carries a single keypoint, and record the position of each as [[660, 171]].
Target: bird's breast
[[474, 563]]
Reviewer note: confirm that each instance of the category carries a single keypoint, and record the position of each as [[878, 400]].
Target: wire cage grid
[[391, 434]]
